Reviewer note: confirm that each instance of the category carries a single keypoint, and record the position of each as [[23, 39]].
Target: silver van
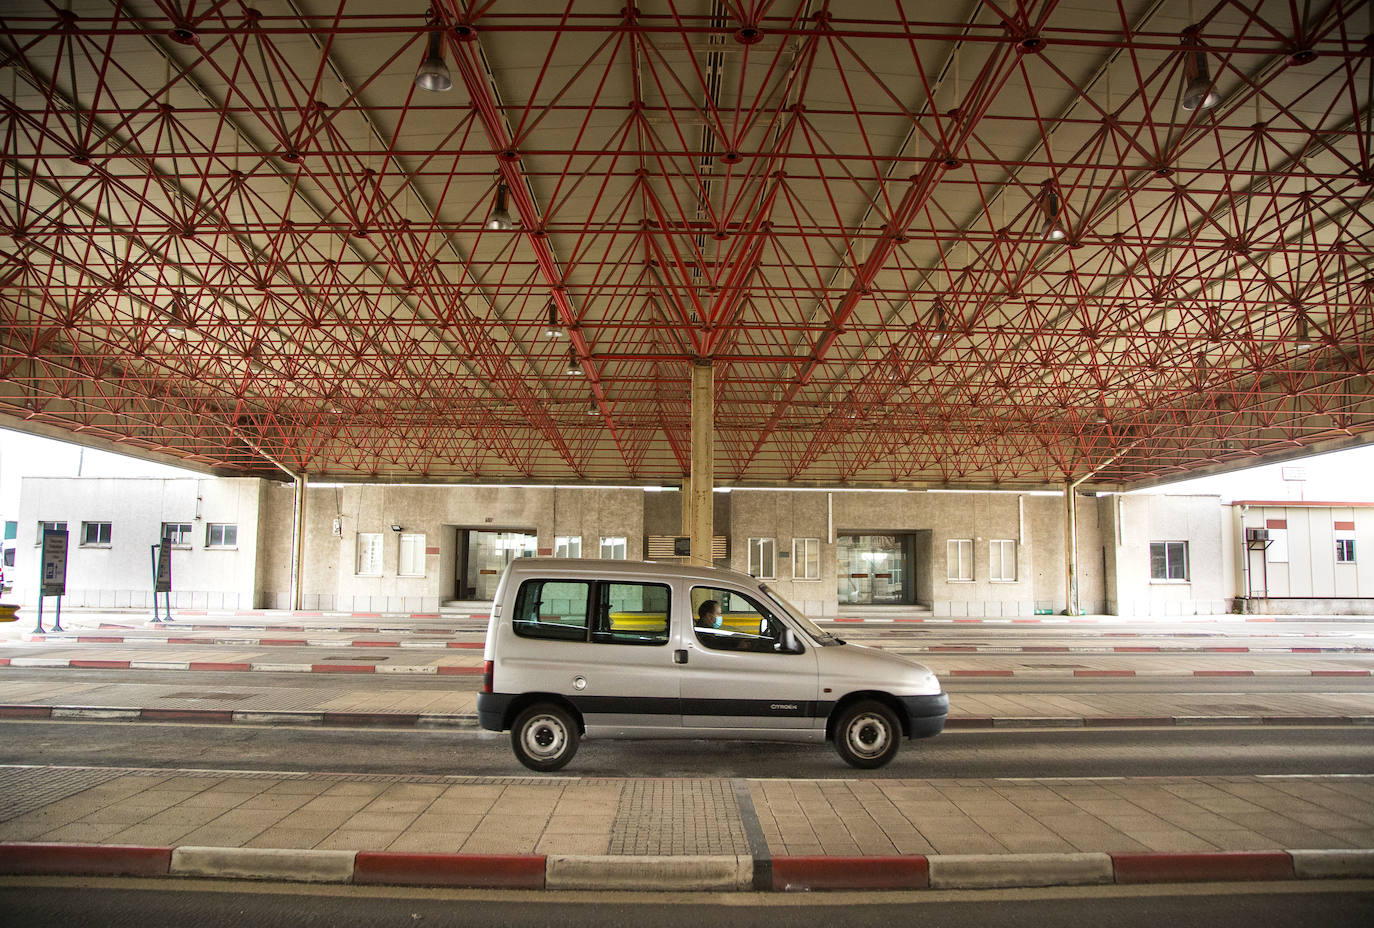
[[643, 650]]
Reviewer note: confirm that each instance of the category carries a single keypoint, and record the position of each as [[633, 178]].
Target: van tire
[[544, 737], [867, 734]]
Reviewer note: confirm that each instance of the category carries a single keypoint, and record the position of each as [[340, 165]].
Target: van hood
[[854, 666]]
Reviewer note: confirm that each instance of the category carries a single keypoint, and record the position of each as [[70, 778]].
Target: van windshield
[[823, 638]]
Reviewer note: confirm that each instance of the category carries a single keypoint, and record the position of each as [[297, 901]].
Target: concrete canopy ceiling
[[241, 238]]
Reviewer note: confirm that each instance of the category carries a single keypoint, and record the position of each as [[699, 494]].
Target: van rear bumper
[[926, 714], [491, 710]]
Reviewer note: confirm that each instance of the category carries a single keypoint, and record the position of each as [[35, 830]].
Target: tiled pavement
[[559, 815]]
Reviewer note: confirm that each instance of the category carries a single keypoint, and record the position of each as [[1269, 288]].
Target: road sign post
[[161, 554], [52, 577]]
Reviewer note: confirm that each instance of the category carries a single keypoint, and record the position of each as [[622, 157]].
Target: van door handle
[[680, 656]]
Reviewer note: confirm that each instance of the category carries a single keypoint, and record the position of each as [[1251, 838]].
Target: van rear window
[[552, 609]]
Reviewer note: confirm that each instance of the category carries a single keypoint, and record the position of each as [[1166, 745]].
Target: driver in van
[[708, 615]]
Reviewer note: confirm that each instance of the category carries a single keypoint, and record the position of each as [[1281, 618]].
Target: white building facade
[[113, 522], [1304, 557], [409, 548]]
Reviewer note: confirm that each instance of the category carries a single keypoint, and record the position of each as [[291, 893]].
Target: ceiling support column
[[1070, 548], [701, 484], [686, 528], [298, 543]]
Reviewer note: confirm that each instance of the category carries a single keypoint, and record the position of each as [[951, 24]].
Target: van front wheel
[[867, 735], [544, 737]]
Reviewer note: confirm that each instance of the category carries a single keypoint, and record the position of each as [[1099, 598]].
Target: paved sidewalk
[[571, 815], [915, 832]]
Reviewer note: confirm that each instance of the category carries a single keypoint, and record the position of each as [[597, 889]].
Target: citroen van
[[593, 648]]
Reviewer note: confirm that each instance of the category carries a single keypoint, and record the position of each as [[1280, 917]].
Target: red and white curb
[[435, 643], [240, 716], [464, 670], [730, 873], [34, 712], [1096, 620], [238, 666], [1114, 649], [421, 644]]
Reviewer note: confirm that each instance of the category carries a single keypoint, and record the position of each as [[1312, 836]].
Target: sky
[[1341, 476], [23, 455]]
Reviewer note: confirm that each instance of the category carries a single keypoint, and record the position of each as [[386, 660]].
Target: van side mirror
[[790, 644]]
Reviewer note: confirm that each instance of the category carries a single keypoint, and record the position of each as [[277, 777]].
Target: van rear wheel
[[544, 737], [867, 735]]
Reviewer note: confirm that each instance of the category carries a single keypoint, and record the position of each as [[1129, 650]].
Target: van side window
[[631, 613], [743, 624], [552, 609]]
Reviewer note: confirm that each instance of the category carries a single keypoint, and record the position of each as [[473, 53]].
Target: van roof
[[524, 566]]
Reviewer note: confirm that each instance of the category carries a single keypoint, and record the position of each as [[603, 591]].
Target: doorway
[[876, 569], [484, 553]]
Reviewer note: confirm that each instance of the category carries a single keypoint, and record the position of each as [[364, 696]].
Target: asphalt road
[[65, 903], [1003, 753]]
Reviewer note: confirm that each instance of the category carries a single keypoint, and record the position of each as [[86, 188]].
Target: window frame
[[1002, 558], [804, 558], [186, 541], [772, 544], [595, 614], [621, 541], [400, 554], [601, 594], [727, 641], [99, 542], [960, 545], [221, 545], [1168, 561], [567, 541], [358, 554], [1345, 549], [44, 524], [530, 629], [1276, 552]]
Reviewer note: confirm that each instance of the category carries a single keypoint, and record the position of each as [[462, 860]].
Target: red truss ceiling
[[238, 235]]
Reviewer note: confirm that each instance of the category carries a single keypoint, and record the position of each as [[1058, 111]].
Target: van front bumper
[[491, 710], [926, 714]]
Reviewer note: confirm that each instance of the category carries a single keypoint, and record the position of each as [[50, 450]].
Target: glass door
[[488, 553], [875, 570]]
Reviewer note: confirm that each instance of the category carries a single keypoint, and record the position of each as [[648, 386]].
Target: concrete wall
[[330, 577], [119, 575], [1045, 524], [1198, 520], [936, 518], [1114, 534]]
